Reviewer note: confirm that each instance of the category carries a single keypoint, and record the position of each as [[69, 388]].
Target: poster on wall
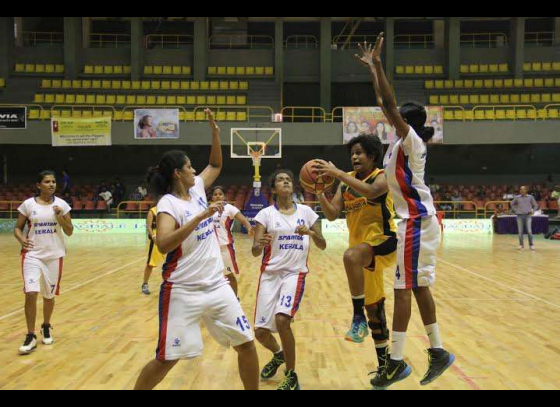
[[81, 132], [371, 120], [156, 124], [13, 118]]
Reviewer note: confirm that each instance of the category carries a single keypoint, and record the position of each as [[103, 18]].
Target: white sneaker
[[47, 336], [146, 289], [29, 345], [532, 248], [521, 248]]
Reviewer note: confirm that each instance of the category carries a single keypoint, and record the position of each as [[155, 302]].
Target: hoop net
[[257, 154]]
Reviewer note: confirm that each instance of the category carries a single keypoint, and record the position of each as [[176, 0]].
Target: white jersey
[[289, 251], [405, 166], [223, 224], [44, 230], [196, 264]]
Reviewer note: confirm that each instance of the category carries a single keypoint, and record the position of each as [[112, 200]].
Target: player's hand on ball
[[326, 168], [265, 241], [303, 231]]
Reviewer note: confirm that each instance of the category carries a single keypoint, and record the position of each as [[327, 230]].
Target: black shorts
[[384, 249]]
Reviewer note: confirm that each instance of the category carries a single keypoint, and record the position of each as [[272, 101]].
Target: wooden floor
[[499, 312]]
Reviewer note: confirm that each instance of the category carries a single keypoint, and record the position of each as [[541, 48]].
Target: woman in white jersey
[[418, 233], [194, 289], [223, 223], [284, 231], [47, 218]]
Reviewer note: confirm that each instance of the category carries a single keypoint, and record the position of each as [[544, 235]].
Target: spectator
[[536, 192], [136, 196], [480, 194], [556, 196], [68, 199], [66, 182], [446, 207], [457, 198], [509, 196], [106, 195], [434, 187], [524, 206], [118, 191], [143, 190], [298, 197]]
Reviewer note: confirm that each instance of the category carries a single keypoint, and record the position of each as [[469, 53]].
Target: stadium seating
[[39, 69], [167, 70], [436, 70], [538, 67], [477, 69], [473, 99], [122, 100], [145, 85], [2, 83], [527, 83], [104, 70], [240, 71]]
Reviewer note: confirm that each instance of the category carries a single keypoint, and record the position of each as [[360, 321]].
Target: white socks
[[433, 334], [397, 347]]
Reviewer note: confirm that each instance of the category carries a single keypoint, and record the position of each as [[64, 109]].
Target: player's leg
[[355, 260], [248, 362], [154, 373], [146, 284], [520, 227], [529, 226], [31, 271], [231, 268], [52, 276]]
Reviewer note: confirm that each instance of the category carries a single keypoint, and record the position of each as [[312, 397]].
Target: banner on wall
[[81, 132], [156, 124], [13, 118], [371, 120], [457, 226]]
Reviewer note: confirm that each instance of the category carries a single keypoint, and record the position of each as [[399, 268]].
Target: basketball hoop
[[256, 156]]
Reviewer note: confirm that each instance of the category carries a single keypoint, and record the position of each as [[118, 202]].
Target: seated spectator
[[119, 191], [446, 207], [143, 190], [556, 196], [480, 194], [457, 198], [136, 196], [107, 197], [509, 195]]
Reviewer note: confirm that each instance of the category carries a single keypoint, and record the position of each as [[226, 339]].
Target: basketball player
[[194, 288], [284, 231], [155, 258], [223, 223], [373, 237], [418, 233], [43, 250]]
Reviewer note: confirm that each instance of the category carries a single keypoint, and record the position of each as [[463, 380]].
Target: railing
[[168, 41], [425, 41], [301, 42], [34, 38], [545, 38], [251, 111], [337, 118], [143, 208], [38, 107], [12, 207], [242, 41], [109, 40], [495, 204], [484, 40], [342, 39], [293, 114], [457, 208]]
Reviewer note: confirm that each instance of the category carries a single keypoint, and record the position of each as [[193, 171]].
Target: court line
[[501, 284], [78, 286]]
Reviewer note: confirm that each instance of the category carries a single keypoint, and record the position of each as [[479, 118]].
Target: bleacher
[[104, 70], [165, 70], [240, 71], [2, 83], [39, 69]]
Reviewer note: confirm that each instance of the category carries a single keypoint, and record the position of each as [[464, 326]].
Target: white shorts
[[279, 293], [230, 262], [416, 253], [41, 276], [180, 314]]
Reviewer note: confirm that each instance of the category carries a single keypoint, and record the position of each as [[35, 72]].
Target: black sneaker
[[47, 336], [290, 382], [271, 369], [29, 345], [393, 372], [439, 361], [146, 289]]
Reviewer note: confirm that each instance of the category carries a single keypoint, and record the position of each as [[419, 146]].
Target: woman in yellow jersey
[[373, 241], [155, 258]]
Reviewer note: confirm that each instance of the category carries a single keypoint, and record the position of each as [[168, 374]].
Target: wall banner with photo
[[156, 124], [371, 120]]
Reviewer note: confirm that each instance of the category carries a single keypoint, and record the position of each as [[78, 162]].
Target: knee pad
[[384, 335]]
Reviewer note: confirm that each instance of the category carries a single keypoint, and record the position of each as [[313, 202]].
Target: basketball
[[311, 181]]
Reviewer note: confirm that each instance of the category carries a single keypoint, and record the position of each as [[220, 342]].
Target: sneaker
[[393, 372], [146, 289], [290, 382], [521, 248], [271, 369], [439, 361], [359, 331], [47, 336], [29, 345], [532, 248]]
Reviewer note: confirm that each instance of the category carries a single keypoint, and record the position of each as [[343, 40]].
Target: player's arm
[[65, 221], [315, 233], [332, 210], [372, 57], [170, 238], [149, 223], [260, 240], [18, 233], [243, 220], [375, 80], [212, 172]]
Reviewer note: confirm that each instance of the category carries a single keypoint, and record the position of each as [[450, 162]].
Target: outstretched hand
[[369, 54], [212, 120]]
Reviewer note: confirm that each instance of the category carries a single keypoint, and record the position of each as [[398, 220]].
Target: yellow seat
[[429, 85], [525, 98], [448, 115], [59, 99], [30, 68], [201, 100], [118, 70], [553, 114], [195, 85], [231, 100], [536, 66], [493, 68], [161, 100], [464, 69], [77, 84], [479, 115], [494, 99], [127, 69], [546, 98], [148, 70], [489, 115], [221, 100], [165, 85], [473, 68], [539, 83], [434, 100], [45, 83], [459, 84], [478, 84], [419, 70], [145, 85], [484, 99], [116, 85], [77, 114], [518, 83], [108, 70], [515, 99], [542, 114], [128, 116], [215, 85], [191, 100], [429, 70], [130, 100], [469, 84], [189, 116], [100, 99], [469, 115], [118, 116], [151, 100], [88, 69], [167, 70], [454, 99], [20, 68], [474, 99], [181, 100], [508, 83], [241, 100], [66, 84], [549, 83], [505, 99], [176, 70], [269, 70], [498, 83], [34, 114], [221, 70], [96, 84], [204, 85], [531, 114], [464, 100], [535, 98], [59, 68], [186, 70], [438, 70], [185, 85], [66, 114], [158, 70], [121, 100], [90, 99], [459, 115], [529, 83], [448, 84], [231, 116], [556, 66], [243, 85], [547, 66], [240, 71], [201, 116], [444, 100], [80, 99], [250, 70], [230, 70], [143, 100], [241, 116], [527, 67], [439, 84], [40, 68], [500, 114], [503, 68], [212, 70], [111, 100], [155, 85], [50, 68], [176, 85], [105, 85], [126, 85], [70, 99], [49, 98], [39, 98], [488, 83], [399, 70], [221, 117], [409, 70], [136, 85], [211, 100]]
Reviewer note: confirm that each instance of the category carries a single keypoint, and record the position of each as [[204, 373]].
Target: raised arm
[[216, 162], [372, 57]]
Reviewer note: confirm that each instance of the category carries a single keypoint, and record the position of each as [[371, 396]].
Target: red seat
[[145, 206], [78, 206], [89, 206], [130, 206], [101, 205], [553, 205], [543, 205]]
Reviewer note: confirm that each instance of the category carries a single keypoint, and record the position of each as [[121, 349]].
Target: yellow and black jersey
[[369, 221]]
